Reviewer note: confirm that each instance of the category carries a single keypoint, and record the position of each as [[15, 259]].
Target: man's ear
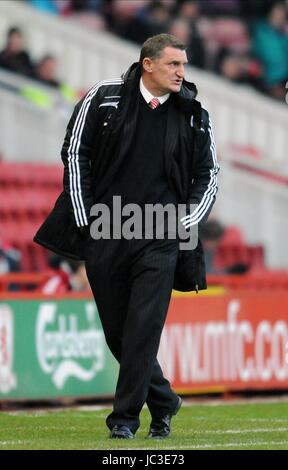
[[147, 65]]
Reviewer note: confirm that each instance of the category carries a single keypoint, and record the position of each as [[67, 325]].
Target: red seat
[[29, 174], [28, 192]]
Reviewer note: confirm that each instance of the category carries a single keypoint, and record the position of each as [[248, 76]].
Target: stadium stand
[[251, 130]]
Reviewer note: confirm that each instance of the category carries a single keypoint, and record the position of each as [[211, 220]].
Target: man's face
[[166, 73], [15, 42], [48, 69]]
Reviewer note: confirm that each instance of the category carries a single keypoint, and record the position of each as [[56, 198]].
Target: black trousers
[[132, 282]]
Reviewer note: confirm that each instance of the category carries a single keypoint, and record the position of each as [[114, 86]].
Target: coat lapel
[[172, 134]]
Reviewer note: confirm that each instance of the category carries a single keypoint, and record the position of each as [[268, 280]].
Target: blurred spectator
[[54, 7], [270, 46], [46, 71], [125, 9], [233, 250], [149, 21], [211, 235], [88, 12], [231, 33], [58, 281], [221, 7], [239, 68], [238, 268], [14, 57], [189, 9], [109, 14], [79, 280], [251, 9], [214, 237], [65, 276], [86, 5], [231, 66], [10, 258], [184, 27]]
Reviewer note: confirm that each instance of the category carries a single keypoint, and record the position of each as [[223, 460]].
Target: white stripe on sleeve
[[73, 154]]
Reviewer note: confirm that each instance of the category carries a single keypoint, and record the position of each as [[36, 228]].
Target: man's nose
[[180, 71]]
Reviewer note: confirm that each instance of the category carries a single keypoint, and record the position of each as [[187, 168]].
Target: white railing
[[29, 131], [257, 203]]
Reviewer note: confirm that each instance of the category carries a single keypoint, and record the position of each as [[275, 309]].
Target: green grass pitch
[[227, 426]]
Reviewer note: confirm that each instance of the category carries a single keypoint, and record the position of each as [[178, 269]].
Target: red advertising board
[[226, 341]]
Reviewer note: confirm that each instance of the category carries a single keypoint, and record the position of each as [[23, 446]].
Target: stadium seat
[[234, 250]]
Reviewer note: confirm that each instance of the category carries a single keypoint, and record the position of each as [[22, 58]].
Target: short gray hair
[[153, 47]]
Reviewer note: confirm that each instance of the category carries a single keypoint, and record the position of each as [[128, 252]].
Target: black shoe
[[121, 432], [160, 427]]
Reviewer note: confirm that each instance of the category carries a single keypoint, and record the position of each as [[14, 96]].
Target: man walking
[[145, 138]]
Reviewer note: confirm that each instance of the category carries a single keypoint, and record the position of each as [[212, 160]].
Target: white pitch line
[[252, 420], [40, 412], [13, 443], [210, 446], [238, 444], [240, 401], [241, 431]]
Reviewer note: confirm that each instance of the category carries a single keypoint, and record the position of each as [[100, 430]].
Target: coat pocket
[[59, 232], [190, 270]]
